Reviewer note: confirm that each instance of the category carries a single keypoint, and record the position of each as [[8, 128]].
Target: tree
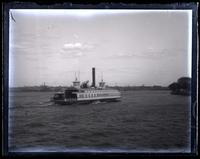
[[174, 86], [181, 87], [184, 82]]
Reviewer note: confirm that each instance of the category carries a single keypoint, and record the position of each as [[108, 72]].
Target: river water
[[144, 121]]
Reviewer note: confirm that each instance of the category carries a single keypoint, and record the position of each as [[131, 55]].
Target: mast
[[79, 75]]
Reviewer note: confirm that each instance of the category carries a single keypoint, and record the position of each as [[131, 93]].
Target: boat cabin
[[69, 93]]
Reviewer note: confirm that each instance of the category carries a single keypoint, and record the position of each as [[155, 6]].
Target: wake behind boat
[[85, 94]]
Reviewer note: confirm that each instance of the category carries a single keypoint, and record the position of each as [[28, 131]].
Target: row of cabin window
[[110, 92], [91, 95]]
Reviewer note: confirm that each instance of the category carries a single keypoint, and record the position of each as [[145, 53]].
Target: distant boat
[[84, 94]]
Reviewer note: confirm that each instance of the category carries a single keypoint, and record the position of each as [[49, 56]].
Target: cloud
[[74, 53], [123, 55], [77, 49], [77, 46], [72, 46], [71, 53], [149, 54]]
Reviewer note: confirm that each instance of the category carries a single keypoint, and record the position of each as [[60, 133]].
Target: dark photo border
[[31, 5]]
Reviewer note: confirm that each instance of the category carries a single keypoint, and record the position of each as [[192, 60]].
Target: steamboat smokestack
[[93, 77]]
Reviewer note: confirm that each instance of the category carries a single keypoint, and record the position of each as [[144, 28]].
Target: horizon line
[[143, 85]]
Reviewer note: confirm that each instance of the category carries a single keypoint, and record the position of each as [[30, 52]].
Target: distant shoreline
[[57, 89]]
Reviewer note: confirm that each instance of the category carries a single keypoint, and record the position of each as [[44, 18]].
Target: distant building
[[44, 87]]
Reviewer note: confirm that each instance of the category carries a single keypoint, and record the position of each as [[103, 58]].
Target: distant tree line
[[181, 87]]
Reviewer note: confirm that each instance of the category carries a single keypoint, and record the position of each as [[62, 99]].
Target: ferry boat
[[85, 94]]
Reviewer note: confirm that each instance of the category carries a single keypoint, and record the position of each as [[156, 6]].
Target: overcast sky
[[127, 47]]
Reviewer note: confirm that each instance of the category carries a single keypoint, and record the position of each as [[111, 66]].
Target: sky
[[127, 47]]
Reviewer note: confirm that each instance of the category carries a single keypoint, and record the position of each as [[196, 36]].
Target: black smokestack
[[93, 77]]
